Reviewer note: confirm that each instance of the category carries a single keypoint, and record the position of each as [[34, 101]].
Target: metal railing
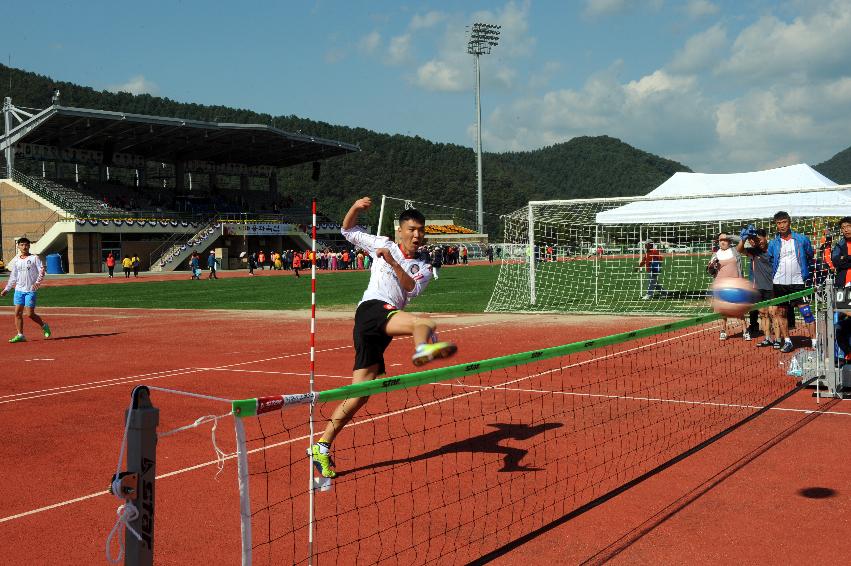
[[175, 249]]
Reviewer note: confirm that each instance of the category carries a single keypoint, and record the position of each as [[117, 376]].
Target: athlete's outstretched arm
[[351, 219]]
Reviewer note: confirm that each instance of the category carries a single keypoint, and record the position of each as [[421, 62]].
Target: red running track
[[62, 404]]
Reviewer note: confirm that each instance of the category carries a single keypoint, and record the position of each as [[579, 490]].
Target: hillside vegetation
[[410, 166]]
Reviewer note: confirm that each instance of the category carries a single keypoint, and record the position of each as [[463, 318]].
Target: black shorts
[[783, 290], [370, 339], [765, 294]]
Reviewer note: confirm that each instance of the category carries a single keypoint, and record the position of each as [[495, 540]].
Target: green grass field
[[459, 289], [613, 286]]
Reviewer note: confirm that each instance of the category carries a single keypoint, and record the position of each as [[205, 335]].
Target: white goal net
[[644, 255]]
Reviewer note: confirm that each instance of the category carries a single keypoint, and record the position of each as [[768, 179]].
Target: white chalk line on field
[[65, 389], [475, 390]]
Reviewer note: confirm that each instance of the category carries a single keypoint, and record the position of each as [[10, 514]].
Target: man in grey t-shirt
[[755, 245]]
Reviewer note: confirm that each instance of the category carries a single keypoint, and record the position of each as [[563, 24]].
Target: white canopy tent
[[744, 200]]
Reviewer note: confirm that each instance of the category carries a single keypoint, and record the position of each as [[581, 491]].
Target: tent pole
[[596, 263]]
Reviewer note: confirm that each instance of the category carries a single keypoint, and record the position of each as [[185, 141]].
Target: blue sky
[[719, 85]]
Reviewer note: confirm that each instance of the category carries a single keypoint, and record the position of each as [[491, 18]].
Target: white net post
[[596, 265], [244, 498], [531, 253], [381, 215]]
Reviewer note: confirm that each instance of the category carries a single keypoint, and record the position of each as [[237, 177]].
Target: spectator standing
[[261, 260], [195, 265], [360, 260], [841, 254], [436, 261], [652, 262], [824, 261], [791, 255], [490, 254], [346, 258], [761, 275], [212, 261], [296, 263], [252, 263], [464, 255], [137, 263], [110, 264], [278, 263], [727, 264], [127, 264]]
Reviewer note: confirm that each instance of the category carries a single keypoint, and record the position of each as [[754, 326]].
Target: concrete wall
[[20, 215], [84, 253]]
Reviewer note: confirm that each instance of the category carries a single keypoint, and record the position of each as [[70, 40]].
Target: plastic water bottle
[[807, 313]]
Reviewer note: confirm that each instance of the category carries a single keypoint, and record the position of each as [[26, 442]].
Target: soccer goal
[[643, 255]]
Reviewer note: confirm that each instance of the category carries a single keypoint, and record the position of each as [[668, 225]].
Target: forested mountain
[[410, 167], [837, 168]]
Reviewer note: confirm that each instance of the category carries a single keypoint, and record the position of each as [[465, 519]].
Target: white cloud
[[137, 84], [701, 51], [542, 77], [815, 44], [426, 21], [369, 43], [596, 8], [602, 8], [656, 112], [399, 50], [777, 93], [438, 75], [333, 56], [807, 120], [451, 69], [696, 9]]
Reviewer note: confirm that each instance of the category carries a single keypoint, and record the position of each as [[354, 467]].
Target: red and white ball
[[733, 296]]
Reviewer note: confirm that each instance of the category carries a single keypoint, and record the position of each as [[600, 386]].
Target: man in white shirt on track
[[396, 277], [26, 272]]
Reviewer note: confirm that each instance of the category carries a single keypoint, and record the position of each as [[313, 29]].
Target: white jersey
[[383, 283], [24, 273], [788, 269]]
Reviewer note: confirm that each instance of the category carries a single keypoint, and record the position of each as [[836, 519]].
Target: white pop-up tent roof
[[783, 180]]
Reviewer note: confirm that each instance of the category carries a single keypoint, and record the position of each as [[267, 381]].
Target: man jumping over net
[[396, 276]]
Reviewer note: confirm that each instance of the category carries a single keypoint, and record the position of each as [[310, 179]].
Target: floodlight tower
[[483, 37]]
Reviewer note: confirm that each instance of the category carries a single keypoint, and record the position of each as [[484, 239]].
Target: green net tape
[[248, 407]]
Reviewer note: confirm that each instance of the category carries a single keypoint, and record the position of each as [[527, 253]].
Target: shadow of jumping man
[[488, 443]]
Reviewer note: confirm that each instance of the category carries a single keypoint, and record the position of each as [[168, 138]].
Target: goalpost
[[585, 255]]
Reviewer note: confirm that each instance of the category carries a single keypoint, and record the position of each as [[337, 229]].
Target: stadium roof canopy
[[692, 197], [158, 138]]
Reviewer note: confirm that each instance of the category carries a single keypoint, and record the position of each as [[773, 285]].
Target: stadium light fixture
[[483, 38]]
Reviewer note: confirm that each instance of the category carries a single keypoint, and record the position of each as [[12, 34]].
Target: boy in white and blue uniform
[[397, 275], [26, 272]]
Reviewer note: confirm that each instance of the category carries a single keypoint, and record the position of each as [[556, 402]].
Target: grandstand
[[84, 182]]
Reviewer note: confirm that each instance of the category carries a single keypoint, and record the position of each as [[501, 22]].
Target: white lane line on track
[[65, 389], [477, 390], [298, 373]]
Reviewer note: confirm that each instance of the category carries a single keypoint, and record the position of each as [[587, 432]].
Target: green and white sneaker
[[46, 330], [17, 338], [320, 453], [428, 352]]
